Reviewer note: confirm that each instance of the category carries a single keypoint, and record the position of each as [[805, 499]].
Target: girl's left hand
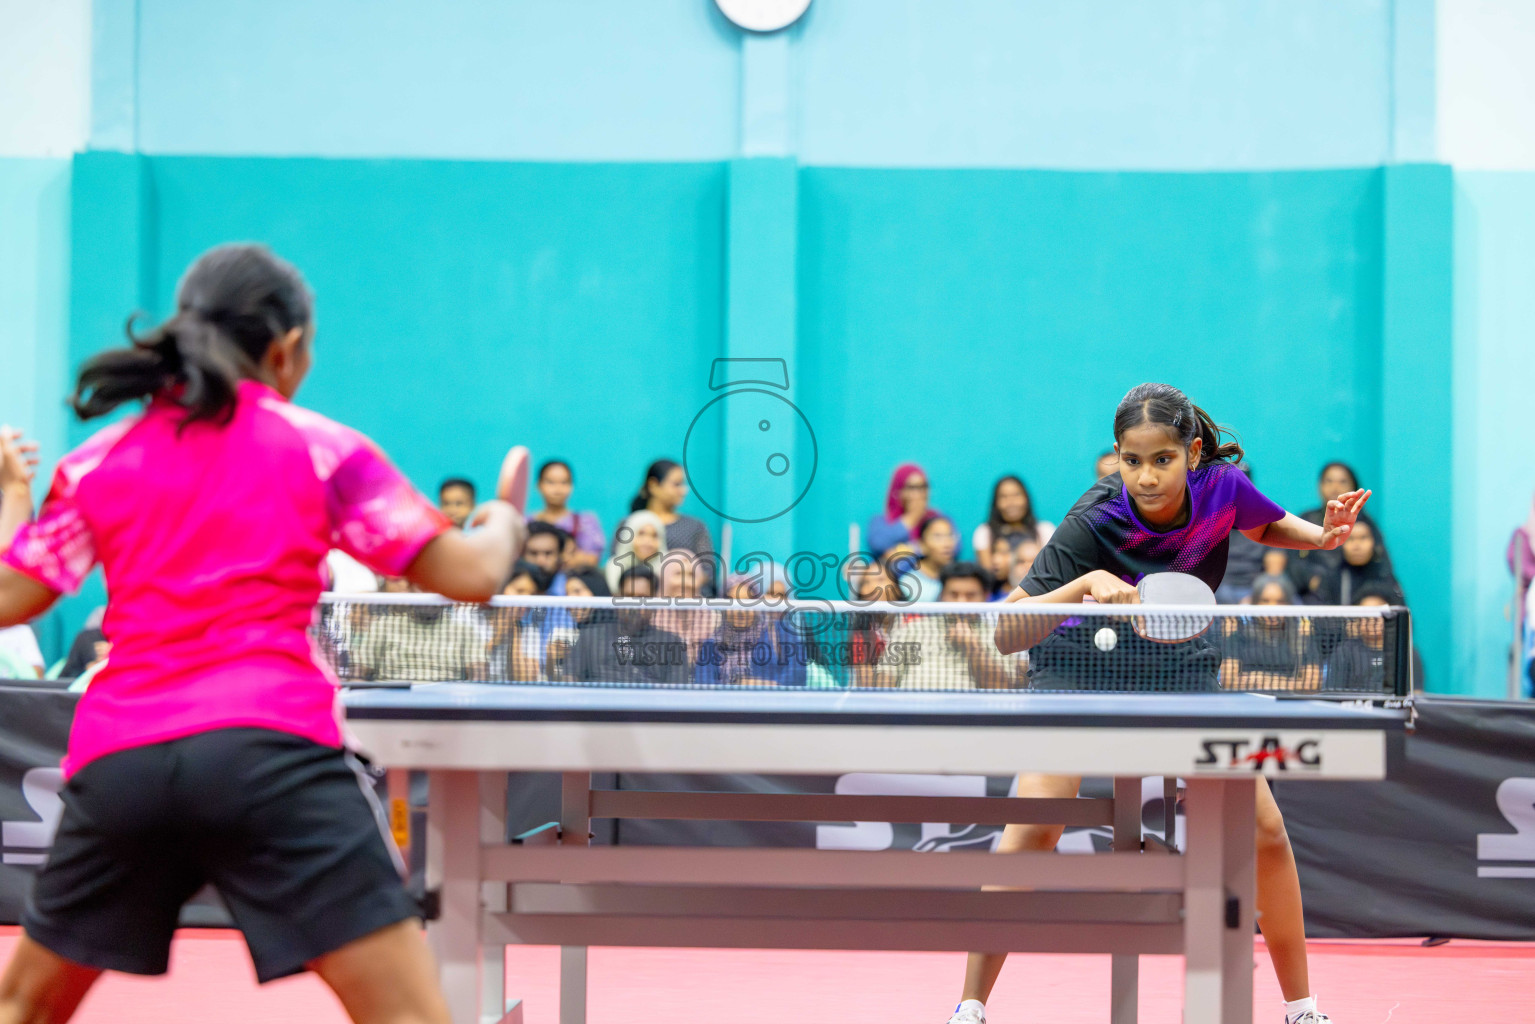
[[1338, 522], [18, 460]]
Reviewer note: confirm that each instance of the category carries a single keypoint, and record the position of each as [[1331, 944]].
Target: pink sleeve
[[379, 518], [57, 549]]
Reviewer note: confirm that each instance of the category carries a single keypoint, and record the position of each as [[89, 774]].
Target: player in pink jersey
[[209, 748]]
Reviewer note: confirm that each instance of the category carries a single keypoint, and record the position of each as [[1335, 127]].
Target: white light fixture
[[763, 15]]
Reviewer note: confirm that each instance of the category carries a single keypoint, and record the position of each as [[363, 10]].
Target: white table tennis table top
[[571, 727]]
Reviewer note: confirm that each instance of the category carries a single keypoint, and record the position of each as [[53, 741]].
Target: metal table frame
[[554, 888]]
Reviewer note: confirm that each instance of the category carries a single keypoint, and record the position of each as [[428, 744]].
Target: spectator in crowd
[[455, 499], [1244, 562], [89, 647], [663, 490], [545, 548], [951, 652], [1023, 560], [1305, 567], [20, 657], [520, 636], [586, 583], [628, 648], [1359, 660], [861, 642], [1270, 652], [346, 575], [640, 540], [1521, 553], [906, 510], [1107, 463], [1363, 562], [1000, 566], [939, 545], [751, 647], [1011, 516], [555, 483], [684, 613], [419, 643]]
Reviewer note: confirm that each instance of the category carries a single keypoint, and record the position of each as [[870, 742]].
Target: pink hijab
[[893, 508]]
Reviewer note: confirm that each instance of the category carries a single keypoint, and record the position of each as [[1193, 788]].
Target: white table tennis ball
[[1105, 639]]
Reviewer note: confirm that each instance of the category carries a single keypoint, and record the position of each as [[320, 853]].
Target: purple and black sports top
[[1102, 531]]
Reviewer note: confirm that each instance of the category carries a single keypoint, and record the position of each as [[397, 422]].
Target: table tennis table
[[554, 888]]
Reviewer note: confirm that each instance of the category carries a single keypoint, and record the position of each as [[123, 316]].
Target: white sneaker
[[970, 1015], [1311, 1017]]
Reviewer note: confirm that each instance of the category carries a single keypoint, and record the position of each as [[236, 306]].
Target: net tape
[[711, 643]]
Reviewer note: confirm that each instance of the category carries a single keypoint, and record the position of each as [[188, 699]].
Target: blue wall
[[1494, 464]]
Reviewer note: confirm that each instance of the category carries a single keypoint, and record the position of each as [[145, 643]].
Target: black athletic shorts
[[287, 830]]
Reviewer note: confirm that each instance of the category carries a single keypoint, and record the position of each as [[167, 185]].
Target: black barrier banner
[[1445, 847], [34, 728]]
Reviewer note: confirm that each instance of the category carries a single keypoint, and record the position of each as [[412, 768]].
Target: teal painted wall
[[977, 321], [989, 321], [1493, 469], [34, 311], [551, 305]]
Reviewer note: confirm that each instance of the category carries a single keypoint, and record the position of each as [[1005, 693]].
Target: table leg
[[493, 897], [1124, 973], [453, 810], [575, 830], [1239, 866], [1218, 901]]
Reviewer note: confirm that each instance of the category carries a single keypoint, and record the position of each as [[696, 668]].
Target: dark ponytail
[[658, 471], [230, 306], [1168, 407]]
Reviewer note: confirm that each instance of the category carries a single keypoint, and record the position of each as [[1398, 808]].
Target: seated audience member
[[1000, 566], [684, 613], [89, 647], [664, 488], [418, 643], [20, 657], [1107, 463], [864, 634], [346, 575], [939, 545], [1307, 566], [1270, 652], [1358, 662], [555, 483], [752, 646], [906, 510], [1521, 553], [1011, 516], [951, 652], [586, 583], [1244, 562], [628, 648], [1023, 560], [455, 499], [1363, 562], [545, 548], [520, 636], [640, 540]]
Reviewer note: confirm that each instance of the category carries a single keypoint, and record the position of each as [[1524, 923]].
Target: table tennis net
[[663, 642]]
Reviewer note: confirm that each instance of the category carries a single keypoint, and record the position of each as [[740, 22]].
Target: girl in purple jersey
[[1171, 507]]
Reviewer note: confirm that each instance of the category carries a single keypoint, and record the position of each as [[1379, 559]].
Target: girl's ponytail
[[231, 305], [1213, 449]]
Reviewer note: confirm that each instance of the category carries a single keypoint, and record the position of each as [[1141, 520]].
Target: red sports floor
[[1358, 983]]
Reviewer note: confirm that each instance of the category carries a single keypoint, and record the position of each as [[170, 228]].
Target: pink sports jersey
[[212, 540]]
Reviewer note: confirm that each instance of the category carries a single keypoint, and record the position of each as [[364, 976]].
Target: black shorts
[[287, 830], [1070, 659]]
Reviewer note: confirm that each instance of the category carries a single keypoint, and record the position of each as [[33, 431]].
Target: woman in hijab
[[640, 540], [906, 510]]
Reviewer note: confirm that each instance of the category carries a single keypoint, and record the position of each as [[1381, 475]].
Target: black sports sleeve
[[1071, 552]]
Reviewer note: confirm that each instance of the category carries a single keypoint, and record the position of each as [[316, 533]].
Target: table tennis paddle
[[512, 484], [1174, 588]]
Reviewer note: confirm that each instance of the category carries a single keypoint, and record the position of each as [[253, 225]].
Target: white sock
[[973, 1004], [1298, 1007]]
